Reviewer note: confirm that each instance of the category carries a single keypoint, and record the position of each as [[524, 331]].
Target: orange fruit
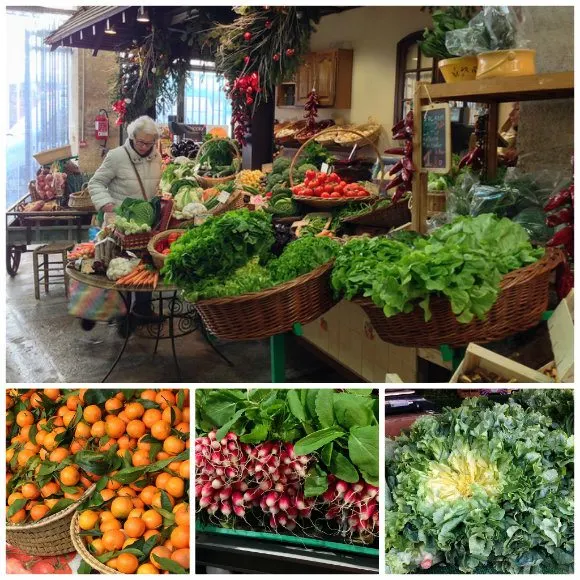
[[52, 394], [110, 524], [182, 518], [115, 427], [58, 421], [127, 563], [162, 455], [112, 563], [77, 445], [136, 428], [162, 479], [161, 552], [126, 491], [148, 395], [106, 515], [134, 527], [126, 442], [113, 405], [24, 456], [98, 547], [18, 517], [68, 418], [62, 410], [157, 501], [182, 427], [150, 533], [175, 487], [70, 475], [165, 399], [173, 445], [151, 416], [36, 401], [181, 507], [184, 469], [152, 519], [30, 491], [59, 454], [180, 537], [138, 503], [112, 484], [121, 507], [161, 430], [135, 513], [113, 540], [143, 444], [85, 482], [147, 494], [172, 415], [32, 446], [123, 416], [174, 467], [185, 415], [40, 436], [74, 496], [98, 429], [147, 569], [14, 496], [129, 541], [88, 520], [181, 556], [73, 402], [134, 410], [82, 394], [141, 458], [50, 502], [92, 414], [24, 418], [168, 545], [82, 431], [107, 494]]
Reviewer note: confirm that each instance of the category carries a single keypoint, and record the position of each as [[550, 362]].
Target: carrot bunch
[[143, 276]]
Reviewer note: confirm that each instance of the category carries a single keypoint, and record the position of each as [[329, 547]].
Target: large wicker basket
[[235, 201], [74, 532], [273, 311], [391, 216], [207, 182], [522, 301], [159, 259], [49, 536], [326, 203], [81, 200]]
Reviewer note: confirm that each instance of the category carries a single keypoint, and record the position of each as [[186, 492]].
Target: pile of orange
[[48, 434]]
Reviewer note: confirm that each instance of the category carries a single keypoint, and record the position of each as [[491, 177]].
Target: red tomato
[[314, 183], [310, 174], [339, 189], [166, 251], [307, 182], [323, 177], [326, 195], [342, 183], [335, 194], [172, 238], [319, 191], [328, 188], [334, 177], [362, 193], [308, 192]]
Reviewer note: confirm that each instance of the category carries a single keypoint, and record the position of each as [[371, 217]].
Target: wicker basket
[[325, 203], [49, 536], [289, 132], [74, 532], [235, 201], [522, 301], [159, 259], [207, 182], [81, 200], [345, 140], [391, 216], [272, 311]]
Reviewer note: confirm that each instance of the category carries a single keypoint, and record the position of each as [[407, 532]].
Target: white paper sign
[[223, 197], [325, 168]]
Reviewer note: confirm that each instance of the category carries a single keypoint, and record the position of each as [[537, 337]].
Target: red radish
[[237, 498], [284, 502], [207, 490], [341, 487], [225, 493], [217, 483], [212, 509], [271, 499], [239, 511], [205, 502], [226, 508]]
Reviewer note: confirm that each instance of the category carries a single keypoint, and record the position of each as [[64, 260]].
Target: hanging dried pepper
[[401, 191], [564, 216], [560, 198], [404, 168]]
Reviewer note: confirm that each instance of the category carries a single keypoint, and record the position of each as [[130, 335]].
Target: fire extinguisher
[[102, 125]]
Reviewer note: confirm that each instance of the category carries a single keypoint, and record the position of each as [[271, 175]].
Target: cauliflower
[[190, 211], [119, 267]]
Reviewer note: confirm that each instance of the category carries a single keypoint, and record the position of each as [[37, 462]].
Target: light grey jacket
[[115, 179]]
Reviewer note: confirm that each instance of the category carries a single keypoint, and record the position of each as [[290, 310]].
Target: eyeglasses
[[145, 143]]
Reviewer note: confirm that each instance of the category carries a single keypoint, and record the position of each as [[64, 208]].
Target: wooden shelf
[[502, 89]]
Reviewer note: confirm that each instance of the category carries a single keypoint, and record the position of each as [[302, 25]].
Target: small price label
[[223, 196], [325, 168]]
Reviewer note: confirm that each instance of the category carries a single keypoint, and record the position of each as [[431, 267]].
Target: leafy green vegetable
[[463, 261], [139, 211], [315, 154], [484, 484], [452, 18], [281, 164]]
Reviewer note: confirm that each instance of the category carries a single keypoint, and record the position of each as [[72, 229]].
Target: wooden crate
[[51, 155], [477, 356]]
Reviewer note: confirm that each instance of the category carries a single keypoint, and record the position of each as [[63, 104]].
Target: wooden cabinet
[[329, 72]]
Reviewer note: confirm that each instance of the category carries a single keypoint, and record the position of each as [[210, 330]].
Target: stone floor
[[44, 344]]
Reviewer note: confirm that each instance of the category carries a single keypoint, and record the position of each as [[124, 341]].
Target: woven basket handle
[[334, 129], [231, 143]]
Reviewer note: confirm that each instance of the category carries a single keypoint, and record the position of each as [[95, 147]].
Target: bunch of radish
[[50, 185], [354, 506], [233, 477]]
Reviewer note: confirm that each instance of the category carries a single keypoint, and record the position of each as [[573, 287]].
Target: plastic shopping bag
[[95, 304]]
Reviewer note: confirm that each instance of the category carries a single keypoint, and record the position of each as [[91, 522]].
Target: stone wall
[[94, 75], [546, 129]]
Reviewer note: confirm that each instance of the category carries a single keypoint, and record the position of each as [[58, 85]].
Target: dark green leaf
[[363, 447], [317, 440], [343, 468], [324, 407], [295, 405], [326, 454], [257, 435], [170, 565], [16, 506], [224, 429], [352, 411], [316, 482]]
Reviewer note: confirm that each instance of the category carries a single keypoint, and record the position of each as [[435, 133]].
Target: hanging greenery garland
[[256, 52]]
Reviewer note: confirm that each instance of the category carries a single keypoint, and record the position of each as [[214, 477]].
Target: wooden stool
[[48, 267]]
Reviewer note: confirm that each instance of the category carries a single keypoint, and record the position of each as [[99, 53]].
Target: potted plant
[[453, 68]]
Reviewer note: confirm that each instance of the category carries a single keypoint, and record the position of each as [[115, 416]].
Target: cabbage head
[[486, 484]]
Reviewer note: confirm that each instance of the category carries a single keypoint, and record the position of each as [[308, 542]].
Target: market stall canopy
[[115, 28]]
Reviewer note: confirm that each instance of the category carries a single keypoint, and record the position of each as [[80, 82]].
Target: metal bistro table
[[182, 317]]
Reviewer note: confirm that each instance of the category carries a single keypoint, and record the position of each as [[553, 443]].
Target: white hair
[[143, 124]]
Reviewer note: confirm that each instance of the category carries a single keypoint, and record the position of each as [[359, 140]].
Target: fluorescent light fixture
[[142, 14], [109, 29]]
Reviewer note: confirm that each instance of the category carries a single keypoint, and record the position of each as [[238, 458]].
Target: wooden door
[[325, 77], [304, 79]]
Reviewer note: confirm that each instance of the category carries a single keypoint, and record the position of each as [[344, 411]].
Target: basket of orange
[[130, 449]]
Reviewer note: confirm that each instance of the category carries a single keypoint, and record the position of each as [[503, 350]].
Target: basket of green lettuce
[[474, 280], [244, 285]]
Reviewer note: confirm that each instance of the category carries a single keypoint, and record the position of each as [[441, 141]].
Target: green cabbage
[[486, 483], [139, 211], [187, 194]]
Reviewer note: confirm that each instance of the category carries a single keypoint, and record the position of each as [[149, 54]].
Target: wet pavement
[[44, 344]]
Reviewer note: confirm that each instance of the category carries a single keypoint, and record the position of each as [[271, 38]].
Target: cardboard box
[[477, 356], [561, 329]]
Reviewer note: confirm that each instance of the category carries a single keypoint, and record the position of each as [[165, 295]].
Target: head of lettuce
[[483, 486]]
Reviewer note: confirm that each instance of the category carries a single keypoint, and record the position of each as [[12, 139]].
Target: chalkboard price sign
[[436, 138]]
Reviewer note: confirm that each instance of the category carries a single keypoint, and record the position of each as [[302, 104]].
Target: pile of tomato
[[163, 246], [328, 185]]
